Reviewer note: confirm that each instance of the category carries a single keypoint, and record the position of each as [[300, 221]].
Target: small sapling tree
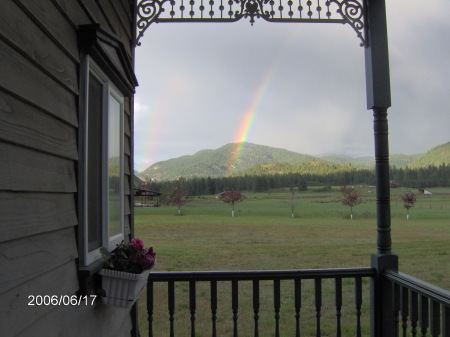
[[178, 194], [409, 199], [350, 198], [291, 202], [231, 197]]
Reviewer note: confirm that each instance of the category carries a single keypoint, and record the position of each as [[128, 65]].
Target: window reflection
[[114, 166]]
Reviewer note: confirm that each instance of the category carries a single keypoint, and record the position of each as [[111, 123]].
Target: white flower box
[[122, 289]]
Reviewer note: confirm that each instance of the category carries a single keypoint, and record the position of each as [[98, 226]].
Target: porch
[[377, 300], [325, 302]]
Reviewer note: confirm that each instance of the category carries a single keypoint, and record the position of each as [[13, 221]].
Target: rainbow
[[152, 129], [249, 117], [257, 98], [255, 103]]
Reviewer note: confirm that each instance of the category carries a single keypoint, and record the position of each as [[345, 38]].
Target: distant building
[[145, 195], [220, 195], [394, 184]]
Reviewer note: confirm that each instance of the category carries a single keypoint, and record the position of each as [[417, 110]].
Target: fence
[[419, 306], [342, 293]]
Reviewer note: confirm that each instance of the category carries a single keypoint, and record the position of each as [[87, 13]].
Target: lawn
[[263, 236]]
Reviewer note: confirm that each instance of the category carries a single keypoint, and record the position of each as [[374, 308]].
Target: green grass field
[[263, 236]]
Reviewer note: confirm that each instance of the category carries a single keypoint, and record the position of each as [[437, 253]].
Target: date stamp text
[[61, 300]]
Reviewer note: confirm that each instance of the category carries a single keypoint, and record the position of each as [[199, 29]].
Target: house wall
[[39, 88]]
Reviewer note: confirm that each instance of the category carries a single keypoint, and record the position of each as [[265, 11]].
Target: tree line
[[432, 176]]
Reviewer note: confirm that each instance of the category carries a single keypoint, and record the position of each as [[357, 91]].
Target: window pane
[[94, 163], [114, 167]]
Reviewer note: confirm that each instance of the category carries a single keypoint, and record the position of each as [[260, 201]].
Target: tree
[[350, 198], [302, 186], [178, 194], [409, 200], [291, 202], [260, 184], [231, 197], [210, 186]]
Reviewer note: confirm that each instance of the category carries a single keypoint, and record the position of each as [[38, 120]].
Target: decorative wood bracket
[[110, 54], [318, 11]]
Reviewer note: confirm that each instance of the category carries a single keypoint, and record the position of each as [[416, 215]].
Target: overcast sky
[[303, 83]]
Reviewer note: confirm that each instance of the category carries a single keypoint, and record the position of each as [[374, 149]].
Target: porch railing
[[322, 286], [420, 308]]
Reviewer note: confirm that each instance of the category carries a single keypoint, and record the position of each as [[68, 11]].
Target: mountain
[[226, 160], [360, 162], [435, 157], [249, 158], [402, 160], [398, 160]]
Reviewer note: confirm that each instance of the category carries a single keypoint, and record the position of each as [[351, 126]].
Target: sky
[[297, 86]]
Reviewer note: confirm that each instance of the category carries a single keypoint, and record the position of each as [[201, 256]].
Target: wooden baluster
[[404, 310], [414, 312], [234, 305], [338, 297], [192, 305], [171, 305], [277, 305], [445, 321], [396, 308], [298, 305], [150, 307], [318, 303], [214, 307], [435, 327], [256, 306], [424, 315], [358, 303]]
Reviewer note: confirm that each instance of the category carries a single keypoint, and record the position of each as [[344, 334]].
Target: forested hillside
[[339, 175], [227, 160], [398, 160], [251, 159], [313, 167], [436, 156]]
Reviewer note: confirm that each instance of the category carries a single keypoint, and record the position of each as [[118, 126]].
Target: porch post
[[380, 127], [379, 100]]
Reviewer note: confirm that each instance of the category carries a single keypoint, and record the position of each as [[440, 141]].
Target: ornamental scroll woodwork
[[317, 11]]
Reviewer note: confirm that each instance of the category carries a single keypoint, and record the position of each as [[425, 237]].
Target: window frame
[[109, 90]]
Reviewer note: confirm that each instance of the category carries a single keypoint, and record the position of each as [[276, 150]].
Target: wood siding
[[39, 93]]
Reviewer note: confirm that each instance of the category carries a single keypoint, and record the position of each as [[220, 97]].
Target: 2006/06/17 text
[[64, 300]]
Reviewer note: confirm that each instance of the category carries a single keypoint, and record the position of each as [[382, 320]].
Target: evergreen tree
[[210, 186], [302, 186]]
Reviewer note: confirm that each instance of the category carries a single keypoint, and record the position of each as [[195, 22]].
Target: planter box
[[121, 288]]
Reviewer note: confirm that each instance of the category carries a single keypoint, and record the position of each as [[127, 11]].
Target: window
[[102, 175]]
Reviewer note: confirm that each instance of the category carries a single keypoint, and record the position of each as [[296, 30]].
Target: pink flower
[[137, 243], [149, 252]]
